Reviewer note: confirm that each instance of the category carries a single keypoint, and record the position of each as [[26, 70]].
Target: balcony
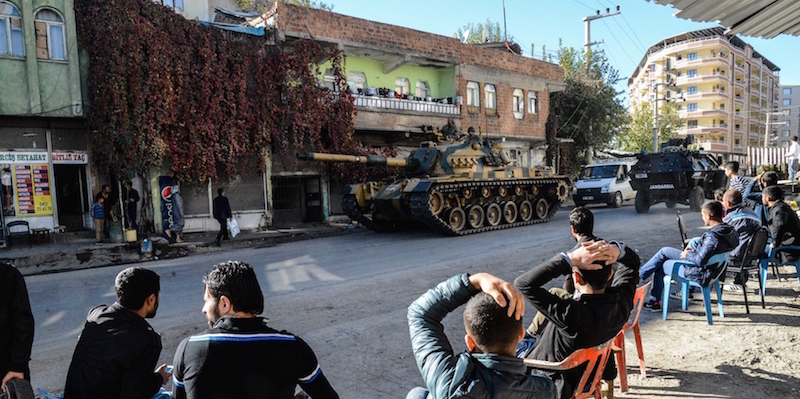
[[704, 95], [739, 83], [738, 99], [709, 77], [713, 129], [739, 67], [709, 145], [699, 113], [372, 103], [710, 60]]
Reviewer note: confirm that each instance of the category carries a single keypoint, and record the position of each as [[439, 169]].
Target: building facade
[[723, 87], [45, 162], [789, 105]]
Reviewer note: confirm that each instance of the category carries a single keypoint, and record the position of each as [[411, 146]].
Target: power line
[[634, 33], [629, 36], [584, 4], [618, 42]]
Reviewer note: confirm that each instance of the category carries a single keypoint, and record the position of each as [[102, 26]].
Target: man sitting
[[735, 182], [783, 223], [746, 223], [719, 238], [493, 320], [594, 317], [751, 196]]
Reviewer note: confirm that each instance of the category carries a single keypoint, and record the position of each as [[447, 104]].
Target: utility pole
[[505, 28], [587, 45], [767, 128]]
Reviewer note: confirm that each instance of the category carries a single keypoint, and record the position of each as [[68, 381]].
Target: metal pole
[[766, 132], [655, 119]]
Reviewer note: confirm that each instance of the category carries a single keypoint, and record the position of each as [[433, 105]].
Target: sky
[[543, 22]]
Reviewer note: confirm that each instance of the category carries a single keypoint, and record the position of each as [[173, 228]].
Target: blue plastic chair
[[773, 259], [686, 283]]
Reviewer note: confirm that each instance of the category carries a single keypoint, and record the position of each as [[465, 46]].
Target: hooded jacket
[[720, 238], [746, 223]]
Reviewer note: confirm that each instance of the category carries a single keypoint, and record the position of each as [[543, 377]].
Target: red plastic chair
[[619, 340], [595, 359]]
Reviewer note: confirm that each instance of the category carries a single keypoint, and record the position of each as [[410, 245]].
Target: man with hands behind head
[[595, 314], [493, 322]]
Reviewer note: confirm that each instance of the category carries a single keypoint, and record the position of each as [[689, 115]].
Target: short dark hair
[[733, 166], [714, 210], [582, 220], [237, 281], [773, 193], [220, 190], [98, 197], [733, 196], [489, 324], [104, 187], [134, 284], [597, 279], [794, 138], [770, 178], [719, 194]]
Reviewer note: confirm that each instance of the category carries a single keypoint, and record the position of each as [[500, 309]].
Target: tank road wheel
[[486, 192], [562, 191], [642, 202], [493, 214], [510, 212], [696, 199], [616, 202], [518, 190], [475, 216], [467, 193], [502, 191], [525, 210], [540, 210], [535, 190], [456, 219], [436, 202]]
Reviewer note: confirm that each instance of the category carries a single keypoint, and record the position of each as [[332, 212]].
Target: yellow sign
[[32, 184]]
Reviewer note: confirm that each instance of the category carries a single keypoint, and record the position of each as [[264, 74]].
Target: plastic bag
[[233, 226]]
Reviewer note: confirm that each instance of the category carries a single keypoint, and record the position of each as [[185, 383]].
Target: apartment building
[[789, 105], [723, 87]]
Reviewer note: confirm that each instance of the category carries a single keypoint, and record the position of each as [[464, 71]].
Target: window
[[402, 86], [533, 102], [691, 73], [691, 107], [737, 142], [11, 31], [787, 91], [490, 96], [423, 90], [785, 133], [357, 80], [473, 98], [691, 90], [784, 144], [518, 103], [787, 101], [691, 124], [50, 43], [174, 4], [789, 123], [787, 112], [691, 56]]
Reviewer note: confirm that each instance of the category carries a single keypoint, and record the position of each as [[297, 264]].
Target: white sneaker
[[732, 287]]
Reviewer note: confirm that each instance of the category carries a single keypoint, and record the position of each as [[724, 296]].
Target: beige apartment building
[[789, 103], [723, 87]]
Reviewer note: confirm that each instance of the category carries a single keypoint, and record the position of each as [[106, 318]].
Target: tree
[[475, 32], [638, 132], [588, 110]]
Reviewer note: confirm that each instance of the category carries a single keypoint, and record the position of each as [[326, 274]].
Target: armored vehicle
[[458, 188], [676, 175]]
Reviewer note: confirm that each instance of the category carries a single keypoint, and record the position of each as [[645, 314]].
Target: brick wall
[[503, 67]]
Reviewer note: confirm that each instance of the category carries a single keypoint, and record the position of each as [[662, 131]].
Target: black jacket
[[115, 357], [577, 324], [222, 208], [720, 238], [784, 228], [16, 323]]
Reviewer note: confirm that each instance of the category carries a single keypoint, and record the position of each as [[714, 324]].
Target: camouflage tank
[[457, 188]]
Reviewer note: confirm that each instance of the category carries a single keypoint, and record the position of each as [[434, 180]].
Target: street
[[347, 297]]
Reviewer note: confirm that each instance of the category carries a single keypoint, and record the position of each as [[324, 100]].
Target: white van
[[605, 182]]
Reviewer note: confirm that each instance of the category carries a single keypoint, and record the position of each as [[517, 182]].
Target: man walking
[[16, 326], [240, 356], [792, 157], [118, 350], [222, 211]]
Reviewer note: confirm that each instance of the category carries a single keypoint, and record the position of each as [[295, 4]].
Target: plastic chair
[[19, 232], [595, 359], [751, 261], [718, 259], [682, 229], [619, 340], [775, 261]]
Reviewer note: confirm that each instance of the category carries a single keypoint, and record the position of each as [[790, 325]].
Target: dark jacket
[[244, 358], [115, 357], [751, 197], [16, 323], [467, 375], [577, 324], [745, 222], [222, 208], [784, 228], [720, 238], [128, 195]]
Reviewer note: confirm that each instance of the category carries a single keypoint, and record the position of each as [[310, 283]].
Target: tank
[[456, 189], [676, 175]]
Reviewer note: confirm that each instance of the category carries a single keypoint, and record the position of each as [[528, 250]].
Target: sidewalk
[[77, 250]]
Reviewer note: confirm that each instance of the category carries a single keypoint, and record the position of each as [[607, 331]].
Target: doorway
[[71, 195]]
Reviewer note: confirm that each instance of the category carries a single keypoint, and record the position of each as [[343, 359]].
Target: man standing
[[783, 223], [450, 130], [130, 197], [493, 320], [118, 350], [222, 211], [108, 203], [240, 356], [792, 157], [16, 326], [719, 238], [735, 181]]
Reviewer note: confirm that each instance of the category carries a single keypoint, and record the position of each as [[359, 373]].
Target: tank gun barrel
[[367, 160]]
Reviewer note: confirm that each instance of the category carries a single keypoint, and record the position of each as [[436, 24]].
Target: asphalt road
[[345, 295]]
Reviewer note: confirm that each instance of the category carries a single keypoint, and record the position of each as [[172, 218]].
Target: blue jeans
[[792, 168], [656, 265]]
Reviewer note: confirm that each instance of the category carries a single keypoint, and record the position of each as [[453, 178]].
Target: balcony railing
[[406, 105]]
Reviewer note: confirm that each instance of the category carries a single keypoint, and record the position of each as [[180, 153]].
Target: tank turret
[[458, 188]]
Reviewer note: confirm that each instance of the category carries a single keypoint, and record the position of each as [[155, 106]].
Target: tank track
[[350, 208], [421, 209]]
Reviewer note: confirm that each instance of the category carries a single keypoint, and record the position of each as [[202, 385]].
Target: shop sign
[[23, 157], [32, 184], [70, 158]]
